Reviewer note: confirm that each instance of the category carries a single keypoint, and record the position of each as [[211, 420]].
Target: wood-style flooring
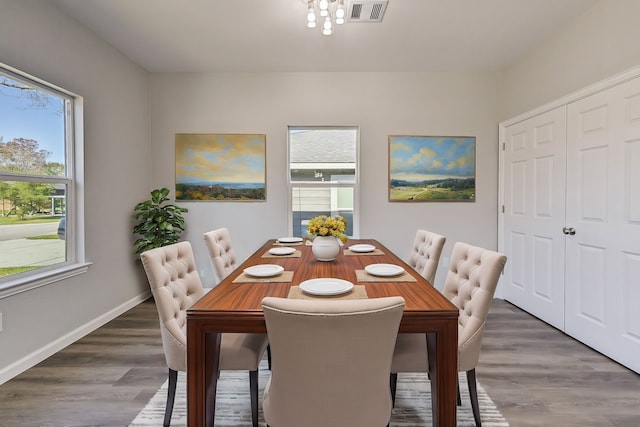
[[536, 375]]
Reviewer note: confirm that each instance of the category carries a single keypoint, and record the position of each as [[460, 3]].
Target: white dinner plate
[[289, 239], [284, 250], [362, 248], [384, 270], [264, 270], [326, 286]]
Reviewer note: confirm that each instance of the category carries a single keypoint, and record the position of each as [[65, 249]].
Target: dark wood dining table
[[237, 307]]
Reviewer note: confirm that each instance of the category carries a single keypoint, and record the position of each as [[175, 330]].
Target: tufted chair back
[[221, 251], [425, 254], [175, 284], [470, 285]]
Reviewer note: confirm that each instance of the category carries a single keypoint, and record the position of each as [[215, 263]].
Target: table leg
[[212, 370], [433, 376], [442, 348], [203, 357]]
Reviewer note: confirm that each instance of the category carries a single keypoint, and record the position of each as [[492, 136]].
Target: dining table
[[235, 305]]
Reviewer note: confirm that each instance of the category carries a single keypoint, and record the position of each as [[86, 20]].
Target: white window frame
[[326, 184], [73, 180]]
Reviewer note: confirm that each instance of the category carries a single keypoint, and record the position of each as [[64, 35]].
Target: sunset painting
[[219, 167], [432, 168]]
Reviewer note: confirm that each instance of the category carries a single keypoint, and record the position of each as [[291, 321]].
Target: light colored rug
[[413, 403]]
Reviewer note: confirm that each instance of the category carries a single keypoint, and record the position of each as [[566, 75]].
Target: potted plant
[[159, 223]]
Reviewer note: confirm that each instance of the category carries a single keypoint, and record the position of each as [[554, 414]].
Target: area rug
[[412, 409]]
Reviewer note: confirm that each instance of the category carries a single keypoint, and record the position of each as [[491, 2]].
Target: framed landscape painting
[[219, 167], [432, 168]]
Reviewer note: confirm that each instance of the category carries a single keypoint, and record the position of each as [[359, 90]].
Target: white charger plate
[[289, 239], [282, 251], [264, 270], [326, 286], [362, 248], [384, 270]]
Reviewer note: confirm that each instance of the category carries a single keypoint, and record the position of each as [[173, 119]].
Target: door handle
[[569, 230]]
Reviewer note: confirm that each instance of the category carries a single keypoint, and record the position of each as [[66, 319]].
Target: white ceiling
[[270, 35]]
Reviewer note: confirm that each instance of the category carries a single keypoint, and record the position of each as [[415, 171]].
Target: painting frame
[[432, 168], [216, 167]]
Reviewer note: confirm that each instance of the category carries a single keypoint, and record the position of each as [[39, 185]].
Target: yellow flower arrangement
[[323, 225]]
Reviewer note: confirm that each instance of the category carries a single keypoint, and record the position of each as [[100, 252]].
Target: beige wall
[[599, 44], [37, 39], [381, 104]]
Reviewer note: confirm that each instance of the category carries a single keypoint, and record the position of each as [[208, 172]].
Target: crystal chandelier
[[325, 13]]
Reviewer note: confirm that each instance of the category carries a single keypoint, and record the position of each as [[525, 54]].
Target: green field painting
[[432, 168]]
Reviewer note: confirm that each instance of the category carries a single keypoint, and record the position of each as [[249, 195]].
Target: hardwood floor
[[539, 376], [103, 379], [536, 375]]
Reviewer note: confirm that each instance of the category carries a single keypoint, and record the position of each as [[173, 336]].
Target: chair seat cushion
[[242, 351], [410, 354]]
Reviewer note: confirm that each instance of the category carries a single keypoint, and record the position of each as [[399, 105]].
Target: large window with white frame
[[40, 232], [323, 175]]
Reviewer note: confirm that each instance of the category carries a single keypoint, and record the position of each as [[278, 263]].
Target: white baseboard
[[53, 347]]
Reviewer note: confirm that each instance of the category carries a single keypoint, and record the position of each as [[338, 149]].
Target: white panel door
[[603, 206], [534, 215]]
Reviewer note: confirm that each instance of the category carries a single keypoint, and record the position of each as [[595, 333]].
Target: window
[[323, 175], [39, 227]]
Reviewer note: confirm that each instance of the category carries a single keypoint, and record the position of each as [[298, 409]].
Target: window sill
[[36, 280]]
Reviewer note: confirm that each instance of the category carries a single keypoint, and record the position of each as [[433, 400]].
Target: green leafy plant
[[159, 223]]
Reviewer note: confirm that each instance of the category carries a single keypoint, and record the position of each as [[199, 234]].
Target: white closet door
[[534, 215], [603, 206]]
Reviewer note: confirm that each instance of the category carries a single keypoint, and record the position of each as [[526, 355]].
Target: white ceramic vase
[[325, 248]]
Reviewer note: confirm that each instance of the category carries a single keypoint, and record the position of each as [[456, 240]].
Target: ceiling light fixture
[[330, 12]]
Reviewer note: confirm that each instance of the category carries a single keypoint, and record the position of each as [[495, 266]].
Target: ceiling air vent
[[367, 11]]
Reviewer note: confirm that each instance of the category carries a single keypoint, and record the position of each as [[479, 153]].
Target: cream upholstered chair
[[221, 251], [425, 253], [176, 285], [223, 258], [470, 284], [424, 258], [331, 361]]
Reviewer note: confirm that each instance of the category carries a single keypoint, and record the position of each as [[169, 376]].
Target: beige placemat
[[373, 252], [363, 276], [285, 276], [296, 254], [358, 292]]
